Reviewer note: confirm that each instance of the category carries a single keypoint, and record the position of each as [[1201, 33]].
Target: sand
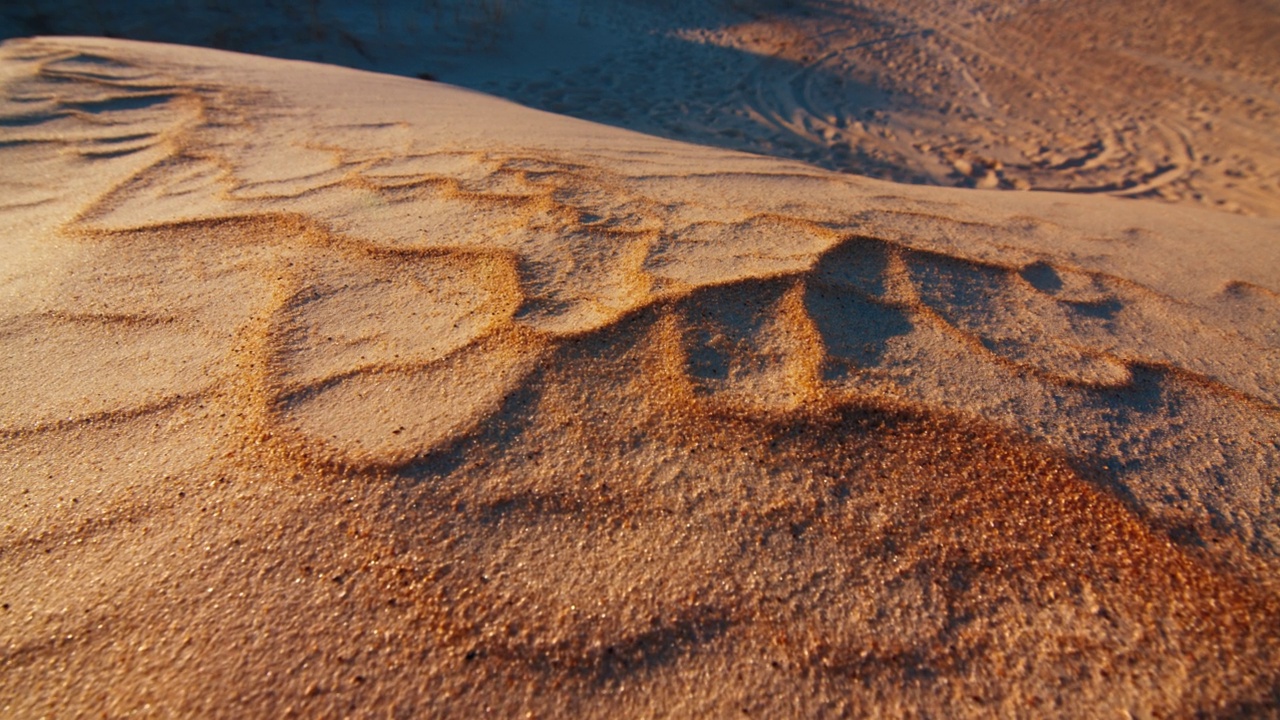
[[332, 393], [1171, 100]]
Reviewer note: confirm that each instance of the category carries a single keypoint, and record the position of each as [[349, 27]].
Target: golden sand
[[335, 394]]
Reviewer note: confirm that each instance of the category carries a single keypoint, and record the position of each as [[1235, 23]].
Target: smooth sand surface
[[342, 394]]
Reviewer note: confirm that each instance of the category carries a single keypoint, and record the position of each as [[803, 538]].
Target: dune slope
[[335, 393], [1171, 100]]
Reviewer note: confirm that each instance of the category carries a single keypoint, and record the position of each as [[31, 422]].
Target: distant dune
[[1171, 100], [332, 393]]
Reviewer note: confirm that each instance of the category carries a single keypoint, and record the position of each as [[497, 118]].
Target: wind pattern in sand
[[587, 417]]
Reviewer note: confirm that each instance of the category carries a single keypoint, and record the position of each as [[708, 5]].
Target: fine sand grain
[[341, 394]]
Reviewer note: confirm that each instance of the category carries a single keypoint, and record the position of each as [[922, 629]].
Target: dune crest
[[350, 394]]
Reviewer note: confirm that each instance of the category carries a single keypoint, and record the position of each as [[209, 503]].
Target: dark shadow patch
[[121, 103], [1042, 277], [21, 121], [858, 263], [1103, 309], [855, 330], [729, 325]]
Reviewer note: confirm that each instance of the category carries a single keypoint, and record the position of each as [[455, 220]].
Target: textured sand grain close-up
[[331, 393]]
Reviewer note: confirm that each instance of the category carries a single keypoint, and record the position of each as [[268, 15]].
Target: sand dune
[[336, 393], [1171, 100], [1164, 100]]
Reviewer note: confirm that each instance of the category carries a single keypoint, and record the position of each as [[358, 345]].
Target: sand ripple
[[369, 394]]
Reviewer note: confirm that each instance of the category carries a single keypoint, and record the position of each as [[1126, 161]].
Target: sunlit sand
[[338, 393]]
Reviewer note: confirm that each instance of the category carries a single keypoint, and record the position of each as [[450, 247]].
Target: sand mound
[[1173, 100], [344, 394]]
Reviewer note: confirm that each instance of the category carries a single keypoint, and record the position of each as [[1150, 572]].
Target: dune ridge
[[1169, 100], [349, 394]]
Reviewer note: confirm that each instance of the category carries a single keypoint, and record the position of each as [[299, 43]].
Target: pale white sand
[[349, 394]]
